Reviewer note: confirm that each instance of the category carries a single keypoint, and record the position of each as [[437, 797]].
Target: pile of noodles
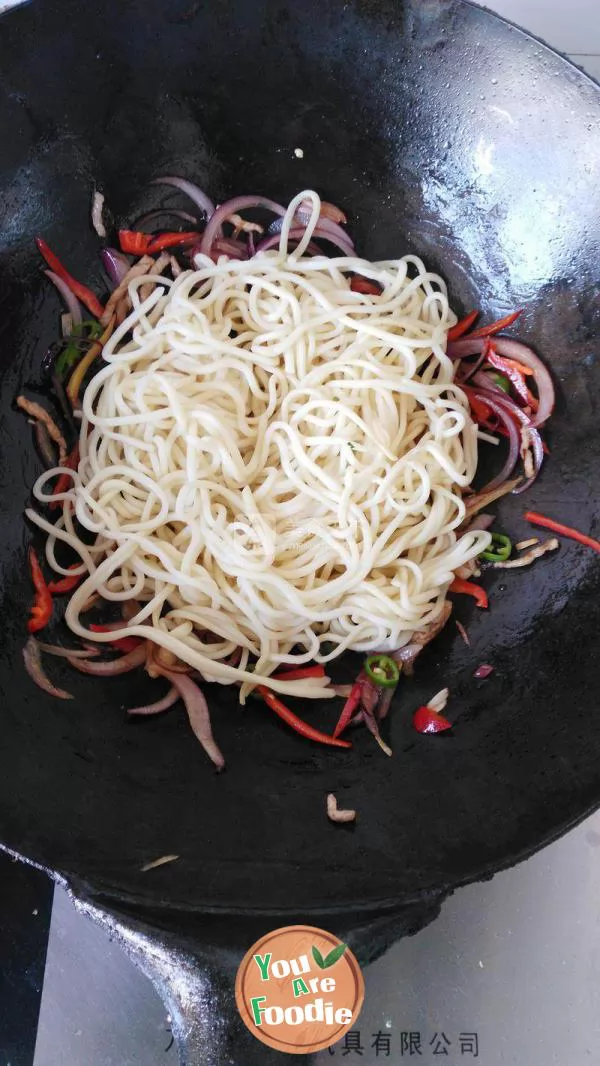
[[272, 465]]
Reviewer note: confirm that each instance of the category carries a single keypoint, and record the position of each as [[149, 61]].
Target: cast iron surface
[[441, 130]]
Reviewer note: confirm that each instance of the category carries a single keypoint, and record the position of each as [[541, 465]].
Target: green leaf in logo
[[332, 958], [316, 954]]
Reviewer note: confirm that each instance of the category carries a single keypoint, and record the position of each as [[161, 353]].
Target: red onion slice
[[481, 521], [153, 216], [33, 665], [167, 701], [514, 438], [71, 301], [512, 349], [122, 665], [329, 211], [371, 724], [194, 192], [505, 408], [228, 246], [68, 653], [233, 207], [115, 263], [329, 231], [198, 713], [295, 236]]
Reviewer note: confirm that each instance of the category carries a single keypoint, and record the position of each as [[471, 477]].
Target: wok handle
[[196, 982], [192, 960]]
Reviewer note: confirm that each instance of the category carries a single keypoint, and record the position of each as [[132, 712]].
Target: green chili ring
[[499, 550], [382, 670]]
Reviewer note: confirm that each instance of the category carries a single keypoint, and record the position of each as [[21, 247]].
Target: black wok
[[442, 130]]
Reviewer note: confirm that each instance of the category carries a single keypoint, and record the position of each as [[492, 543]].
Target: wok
[[441, 130]]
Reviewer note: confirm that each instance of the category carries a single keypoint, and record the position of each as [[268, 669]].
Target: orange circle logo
[[299, 989]]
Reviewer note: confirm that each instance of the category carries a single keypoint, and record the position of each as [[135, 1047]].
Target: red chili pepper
[[482, 413], [349, 708], [124, 644], [469, 588], [461, 327], [318, 670], [87, 297], [135, 243], [427, 721], [41, 610], [514, 376], [526, 371], [365, 286], [65, 584], [478, 407], [171, 240], [495, 327], [64, 482], [564, 531], [296, 723]]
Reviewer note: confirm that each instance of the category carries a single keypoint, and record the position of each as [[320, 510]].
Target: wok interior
[[442, 131]]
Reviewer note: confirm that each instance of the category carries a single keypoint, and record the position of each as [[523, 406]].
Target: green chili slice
[[75, 346], [382, 670], [499, 380], [499, 550]]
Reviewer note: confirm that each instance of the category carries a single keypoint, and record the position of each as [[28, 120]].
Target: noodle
[[274, 463]]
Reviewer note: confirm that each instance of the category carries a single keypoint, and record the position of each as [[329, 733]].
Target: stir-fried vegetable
[[501, 381], [538, 519], [382, 671], [85, 295], [509, 390], [426, 720], [80, 337], [40, 414], [495, 327], [296, 723], [66, 583], [123, 665], [349, 709], [530, 557], [469, 588], [97, 209], [78, 375], [462, 326], [41, 611], [364, 286], [64, 481], [33, 665], [499, 549], [164, 860], [136, 243], [301, 673], [124, 644], [164, 704], [198, 714], [338, 814]]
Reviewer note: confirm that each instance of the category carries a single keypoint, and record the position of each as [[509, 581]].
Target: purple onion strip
[[194, 192], [115, 263], [233, 207], [71, 301]]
